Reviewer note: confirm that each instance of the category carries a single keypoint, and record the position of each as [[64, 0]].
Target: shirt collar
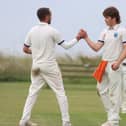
[[43, 23], [115, 27]]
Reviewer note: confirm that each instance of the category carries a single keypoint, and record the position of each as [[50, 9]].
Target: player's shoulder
[[122, 29], [33, 28], [104, 30], [53, 30]]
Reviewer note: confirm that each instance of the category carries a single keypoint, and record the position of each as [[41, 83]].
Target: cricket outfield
[[84, 105]]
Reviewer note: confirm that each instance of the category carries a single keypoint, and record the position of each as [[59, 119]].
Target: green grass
[[84, 105]]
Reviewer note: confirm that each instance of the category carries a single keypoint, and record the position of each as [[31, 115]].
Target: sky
[[68, 16]]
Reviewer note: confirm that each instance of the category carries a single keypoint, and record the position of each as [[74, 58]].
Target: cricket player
[[123, 105], [113, 41], [40, 42]]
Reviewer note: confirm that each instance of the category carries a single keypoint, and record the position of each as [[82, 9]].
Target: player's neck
[[44, 21], [113, 24]]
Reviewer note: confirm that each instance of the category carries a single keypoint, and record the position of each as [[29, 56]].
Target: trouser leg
[[56, 83], [63, 104], [103, 90], [37, 83], [110, 92], [115, 87], [123, 105]]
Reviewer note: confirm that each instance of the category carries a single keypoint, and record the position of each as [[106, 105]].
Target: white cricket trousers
[[49, 73], [123, 105], [110, 92]]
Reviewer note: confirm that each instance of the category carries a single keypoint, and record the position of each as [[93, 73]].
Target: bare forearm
[[122, 56], [92, 45], [117, 63]]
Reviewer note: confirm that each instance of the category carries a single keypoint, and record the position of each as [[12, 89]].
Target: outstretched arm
[[95, 46], [69, 44]]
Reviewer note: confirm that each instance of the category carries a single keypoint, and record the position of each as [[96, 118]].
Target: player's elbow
[[96, 50]]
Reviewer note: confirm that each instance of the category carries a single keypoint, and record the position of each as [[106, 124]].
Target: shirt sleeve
[[27, 42], [57, 36], [123, 36], [102, 37], [68, 44], [65, 44]]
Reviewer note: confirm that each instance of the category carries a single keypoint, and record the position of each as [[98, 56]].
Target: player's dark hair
[[113, 13], [42, 13]]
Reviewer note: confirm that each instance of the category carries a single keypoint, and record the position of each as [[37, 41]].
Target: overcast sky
[[18, 16]]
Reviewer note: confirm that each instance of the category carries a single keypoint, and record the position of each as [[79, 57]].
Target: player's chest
[[112, 36]]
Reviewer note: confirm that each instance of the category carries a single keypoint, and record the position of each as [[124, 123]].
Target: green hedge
[[14, 68]]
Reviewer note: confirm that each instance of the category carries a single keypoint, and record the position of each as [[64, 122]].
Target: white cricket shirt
[[42, 39], [113, 39]]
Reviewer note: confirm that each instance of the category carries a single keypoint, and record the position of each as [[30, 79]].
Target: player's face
[[109, 21], [48, 19]]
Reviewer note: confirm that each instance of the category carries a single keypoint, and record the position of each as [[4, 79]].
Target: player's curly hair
[[113, 12]]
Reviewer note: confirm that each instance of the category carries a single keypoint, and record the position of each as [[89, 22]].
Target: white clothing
[[112, 39], [110, 90], [111, 85], [109, 123], [42, 40], [50, 74], [123, 105]]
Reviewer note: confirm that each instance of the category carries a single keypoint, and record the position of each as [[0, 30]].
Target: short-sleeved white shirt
[[113, 39], [42, 39]]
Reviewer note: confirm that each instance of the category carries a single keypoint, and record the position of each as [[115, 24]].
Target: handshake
[[82, 34]]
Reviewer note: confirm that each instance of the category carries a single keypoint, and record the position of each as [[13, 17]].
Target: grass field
[[85, 106]]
